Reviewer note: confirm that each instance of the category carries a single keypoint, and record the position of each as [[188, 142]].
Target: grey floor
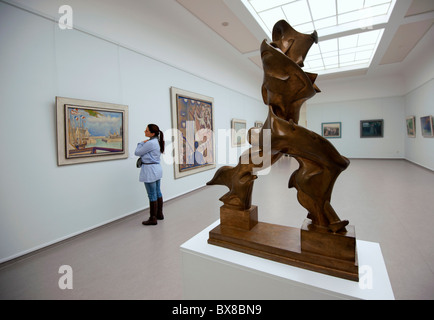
[[388, 201]]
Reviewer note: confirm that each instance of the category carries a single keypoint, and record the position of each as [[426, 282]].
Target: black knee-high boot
[[160, 215], [153, 214]]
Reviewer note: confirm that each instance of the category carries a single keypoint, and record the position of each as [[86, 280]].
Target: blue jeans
[[153, 190]]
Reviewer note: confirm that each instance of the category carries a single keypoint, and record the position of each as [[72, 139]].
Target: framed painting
[[238, 132], [90, 131], [411, 126], [331, 129], [426, 126], [259, 124], [194, 143], [371, 128]]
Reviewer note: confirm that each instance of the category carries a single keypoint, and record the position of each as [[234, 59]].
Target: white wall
[[419, 103], [391, 97], [163, 30], [358, 88], [42, 203], [393, 110], [419, 97], [350, 113]]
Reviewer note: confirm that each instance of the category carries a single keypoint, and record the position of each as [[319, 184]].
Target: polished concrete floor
[[388, 201]]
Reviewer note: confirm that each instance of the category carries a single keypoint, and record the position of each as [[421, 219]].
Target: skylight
[[349, 30]]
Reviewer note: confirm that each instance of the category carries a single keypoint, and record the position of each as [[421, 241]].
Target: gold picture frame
[[90, 131], [194, 143]]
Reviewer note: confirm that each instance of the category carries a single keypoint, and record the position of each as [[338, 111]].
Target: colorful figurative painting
[[331, 129], [93, 131], [411, 126], [89, 131], [193, 118], [426, 126]]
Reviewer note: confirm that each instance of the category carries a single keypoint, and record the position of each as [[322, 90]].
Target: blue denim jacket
[[150, 153]]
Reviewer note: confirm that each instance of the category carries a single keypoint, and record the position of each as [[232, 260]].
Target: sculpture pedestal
[[215, 273], [245, 220], [341, 245], [308, 248]]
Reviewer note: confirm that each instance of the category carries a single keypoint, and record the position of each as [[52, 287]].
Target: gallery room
[[83, 82]]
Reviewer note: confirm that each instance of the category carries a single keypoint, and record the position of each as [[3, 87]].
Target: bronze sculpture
[[286, 87]]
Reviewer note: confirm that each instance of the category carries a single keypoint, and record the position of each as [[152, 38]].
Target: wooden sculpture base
[[315, 249]]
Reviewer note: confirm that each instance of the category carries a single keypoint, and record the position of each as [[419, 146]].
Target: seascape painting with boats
[[93, 132]]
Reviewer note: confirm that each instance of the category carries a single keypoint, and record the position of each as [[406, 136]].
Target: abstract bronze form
[[324, 237]]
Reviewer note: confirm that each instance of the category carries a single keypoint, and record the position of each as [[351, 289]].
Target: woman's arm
[[143, 148]]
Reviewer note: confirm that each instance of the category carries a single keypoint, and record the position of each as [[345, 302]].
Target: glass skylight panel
[[314, 50], [297, 12], [351, 16], [306, 28], [322, 12], [348, 41], [325, 23], [349, 5], [270, 17], [366, 38], [370, 3], [321, 9], [329, 18], [345, 58], [348, 51], [328, 45], [261, 5], [380, 10], [332, 61], [364, 55], [364, 14], [316, 63], [330, 54], [351, 50]]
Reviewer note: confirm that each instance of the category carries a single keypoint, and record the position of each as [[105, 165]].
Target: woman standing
[[151, 171]]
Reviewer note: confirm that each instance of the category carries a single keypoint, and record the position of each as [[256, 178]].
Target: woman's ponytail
[[153, 128], [161, 141]]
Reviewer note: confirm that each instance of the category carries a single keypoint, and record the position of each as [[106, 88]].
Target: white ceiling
[[219, 40], [408, 24]]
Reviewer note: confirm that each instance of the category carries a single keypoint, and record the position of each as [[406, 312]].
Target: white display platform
[[216, 273]]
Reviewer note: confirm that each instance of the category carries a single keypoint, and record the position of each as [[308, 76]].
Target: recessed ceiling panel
[[405, 39], [420, 6], [257, 60], [221, 19]]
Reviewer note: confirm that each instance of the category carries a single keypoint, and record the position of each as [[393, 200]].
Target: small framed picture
[[371, 128], [411, 126], [331, 129], [239, 132], [426, 126], [258, 124]]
